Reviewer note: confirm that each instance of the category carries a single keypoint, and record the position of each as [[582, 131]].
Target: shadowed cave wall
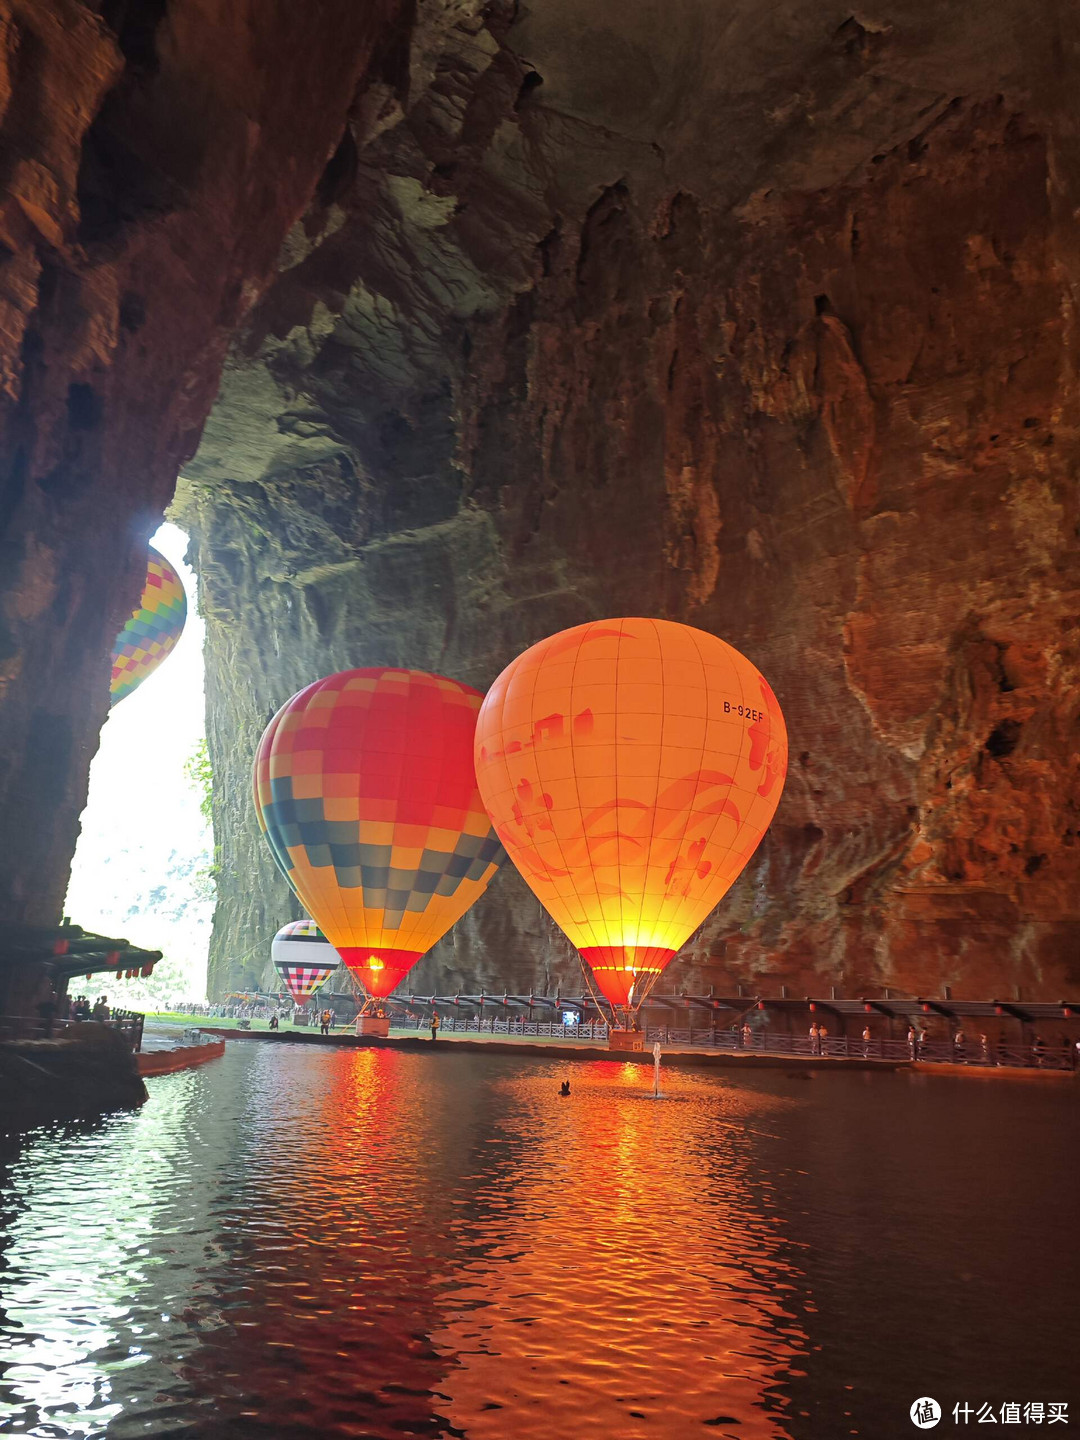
[[767, 326], [153, 154]]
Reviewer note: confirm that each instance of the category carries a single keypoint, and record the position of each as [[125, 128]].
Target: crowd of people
[[80, 1008], [262, 1008], [77, 1009]]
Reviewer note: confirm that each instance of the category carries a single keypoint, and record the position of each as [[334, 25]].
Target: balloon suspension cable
[[643, 987], [603, 1004], [361, 991], [640, 992]]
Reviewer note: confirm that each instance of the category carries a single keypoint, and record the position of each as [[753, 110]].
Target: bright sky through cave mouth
[[141, 869]]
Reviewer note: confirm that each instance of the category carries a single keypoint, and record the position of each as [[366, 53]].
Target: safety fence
[[1050, 1056], [1060, 1056], [525, 1029]]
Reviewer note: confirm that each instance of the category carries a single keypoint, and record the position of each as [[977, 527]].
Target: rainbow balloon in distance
[[365, 789], [303, 957], [631, 768], [155, 626]]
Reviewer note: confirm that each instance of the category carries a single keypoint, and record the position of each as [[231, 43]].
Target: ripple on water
[[368, 1243]]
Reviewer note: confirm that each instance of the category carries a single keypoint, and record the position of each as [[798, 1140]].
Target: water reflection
[[296, 1242], [630, 1283], [101, 1225]]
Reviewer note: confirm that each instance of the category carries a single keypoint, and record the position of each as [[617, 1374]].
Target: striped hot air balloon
[[153, 630], [365, 789], [303, 957]]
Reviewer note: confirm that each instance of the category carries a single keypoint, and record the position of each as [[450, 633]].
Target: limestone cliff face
[[152, 157], [770, 328]]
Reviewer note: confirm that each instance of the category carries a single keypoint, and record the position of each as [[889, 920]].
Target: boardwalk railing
[[839, 1047], [526, 1029]]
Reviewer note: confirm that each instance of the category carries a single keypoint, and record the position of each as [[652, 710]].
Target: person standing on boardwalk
[[434, 1025], [911, 1041], [326, 1020], [866, 1038], [815, 1040], [47, 1009]]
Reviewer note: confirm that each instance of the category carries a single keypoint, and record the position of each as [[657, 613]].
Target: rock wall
[[768, 326], [152, 157]]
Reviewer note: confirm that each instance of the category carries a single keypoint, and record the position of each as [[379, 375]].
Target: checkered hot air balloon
[[303, 957], [153, 630], [365, 789]]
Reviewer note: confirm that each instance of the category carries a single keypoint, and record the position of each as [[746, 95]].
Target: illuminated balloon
[[631, 768], [303, 957], [365, 789], [153, 630]]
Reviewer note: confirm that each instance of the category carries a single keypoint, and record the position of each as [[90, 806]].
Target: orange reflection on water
[[331, 1300], [632, 1283], [441, 1244]]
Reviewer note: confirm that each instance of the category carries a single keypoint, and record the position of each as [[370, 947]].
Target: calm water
[[292, 1242]]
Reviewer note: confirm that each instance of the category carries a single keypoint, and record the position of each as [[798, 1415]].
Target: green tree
[[200, 774]]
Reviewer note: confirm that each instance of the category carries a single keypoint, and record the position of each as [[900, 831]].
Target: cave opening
[[144, 867]]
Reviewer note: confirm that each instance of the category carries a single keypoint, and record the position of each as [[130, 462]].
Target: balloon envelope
[[365, 788], [303, 957], [631, 768], [156, 624]]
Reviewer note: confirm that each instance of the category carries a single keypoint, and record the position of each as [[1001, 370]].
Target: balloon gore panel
[[365, 789], [631, 768], [155, 626], [303, 957]]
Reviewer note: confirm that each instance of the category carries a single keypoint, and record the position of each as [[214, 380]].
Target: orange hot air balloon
[[631, 768], [365, 789]]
